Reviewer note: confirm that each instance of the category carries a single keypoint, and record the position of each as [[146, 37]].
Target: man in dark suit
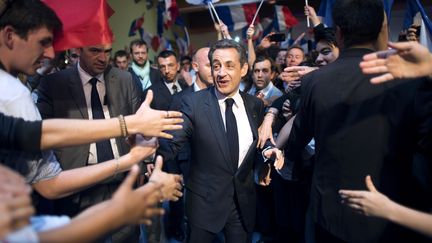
[[360, 129], [142, 71], [168, 84], [221, 126], [90, 90]]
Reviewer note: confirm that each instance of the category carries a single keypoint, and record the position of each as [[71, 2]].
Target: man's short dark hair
[[295, 47], [360, 21], [167, 53], [326, 35], [120, 53], [226, 44], [262, 58], [138, 42], [27, 15]]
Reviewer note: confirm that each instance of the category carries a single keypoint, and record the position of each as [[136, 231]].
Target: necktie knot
[[229, 102], [175, 88], [93, 81]]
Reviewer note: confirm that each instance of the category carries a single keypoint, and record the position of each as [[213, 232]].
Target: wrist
[[131, 124]]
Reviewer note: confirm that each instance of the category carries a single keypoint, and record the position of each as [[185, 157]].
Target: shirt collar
[[85, 77], [236, 97]]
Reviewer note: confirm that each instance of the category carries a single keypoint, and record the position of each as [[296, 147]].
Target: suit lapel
[[77, 92], [252, 114], [216, 122]]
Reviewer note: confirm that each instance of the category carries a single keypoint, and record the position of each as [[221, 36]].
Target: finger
[[173, 114], [129, 181], [369, 57], [172, 121], [165, 135], [272, 140], [147, 222], [351, 194], [149, 98], [375, 70], [383, 78], [355, 206], [294, 69], [401, 46], [369, 184], [159, 163]]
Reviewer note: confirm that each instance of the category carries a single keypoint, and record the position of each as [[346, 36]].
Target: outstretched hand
[[407, 60], [171, 183], [369, 203], [153, 123], [140, 205]]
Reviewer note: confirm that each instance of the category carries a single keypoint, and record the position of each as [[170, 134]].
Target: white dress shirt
[[100, 85], [243, 126], [170, 85]]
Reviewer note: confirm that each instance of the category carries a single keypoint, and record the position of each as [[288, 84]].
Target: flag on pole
[[325, 11], [284, 18], [136, 25], [85, 23], [237, 17]]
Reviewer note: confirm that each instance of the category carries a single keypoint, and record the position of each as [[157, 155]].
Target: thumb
[[149, 98], [131, 178], [159, 163], [369, 184]]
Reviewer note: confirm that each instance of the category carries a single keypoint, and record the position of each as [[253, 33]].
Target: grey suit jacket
[[61, 95]]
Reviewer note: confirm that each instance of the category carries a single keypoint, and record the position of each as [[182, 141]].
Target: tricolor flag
[[136, 25], [85, 23], [284, 18], [237, 17]]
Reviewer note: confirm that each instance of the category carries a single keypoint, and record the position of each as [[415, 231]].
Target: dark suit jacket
[[61, 95], [360, 129], [154, 75], [212, 179], [161, 95]]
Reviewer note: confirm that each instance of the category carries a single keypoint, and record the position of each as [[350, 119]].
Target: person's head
[[186, 63], [139, 52], [264, 71], [280, 57], [95, 59], [201, 65], [27, 29], [326, 46], [121, 59], [168, 65], [229, 64], [360, 22], [294, 56]]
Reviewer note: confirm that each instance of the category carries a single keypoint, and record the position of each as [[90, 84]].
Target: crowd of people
[[244, 141]]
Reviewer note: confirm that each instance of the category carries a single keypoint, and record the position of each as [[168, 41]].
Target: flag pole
[[307, 17], [256, 14]]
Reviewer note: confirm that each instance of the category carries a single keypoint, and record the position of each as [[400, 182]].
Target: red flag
[[85, 23]]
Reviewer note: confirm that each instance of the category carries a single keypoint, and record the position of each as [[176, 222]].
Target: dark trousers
[[323, 236], [234, 231]]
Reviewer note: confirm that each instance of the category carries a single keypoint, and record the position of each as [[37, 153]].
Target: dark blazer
[[162, 97], [154, 75], [360, 129], [61, 95], [212, 179]]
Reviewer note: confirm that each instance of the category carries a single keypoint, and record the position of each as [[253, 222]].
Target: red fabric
[[249, 12], [290, 20], [85, 23]]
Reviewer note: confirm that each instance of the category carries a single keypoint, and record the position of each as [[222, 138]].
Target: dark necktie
[[104, 150], [231, 132], [174, 88]]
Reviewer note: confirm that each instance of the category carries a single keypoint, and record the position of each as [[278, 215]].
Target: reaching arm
[[251, 48], [310, 12], [411, 60], [374, 203], [72, 181], [147, 121], [127, 206]]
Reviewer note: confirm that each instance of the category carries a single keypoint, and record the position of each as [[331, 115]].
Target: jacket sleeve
[[17, 134]]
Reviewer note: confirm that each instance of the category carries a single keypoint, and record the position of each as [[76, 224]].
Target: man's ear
[[195, 66], [8, 36], [244, 69]]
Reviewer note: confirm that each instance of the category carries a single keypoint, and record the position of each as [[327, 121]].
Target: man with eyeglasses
[[91, 90]]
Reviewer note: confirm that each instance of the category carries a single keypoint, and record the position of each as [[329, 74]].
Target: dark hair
[[27, 15], [138, 42], [167, 53], [185, 58], [120, 53], [226, 44], [360, 21], [327, 35], [262, 58]]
